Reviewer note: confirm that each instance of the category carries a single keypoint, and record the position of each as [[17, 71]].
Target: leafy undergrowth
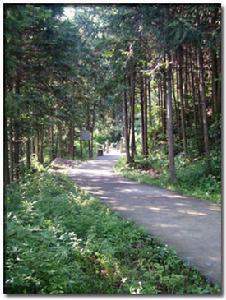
[[191, 178], [61, 240]]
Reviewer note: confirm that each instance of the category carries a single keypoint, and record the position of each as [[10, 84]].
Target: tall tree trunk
[[194, 98], [52, 151], [172, 170], [175, 102], [159, 101], [88, 125], [132, 105], [214, 82], [71, 133], [180, 77], [126, 135], [203, 107], [28, 153], [32, 145], [164, 103], [16, 151], [149, 110], [218, 96], [17, 136], [149, 101], [36, 144], [60, 141], [186, 90], [41, 145], [145, 118], [11, 158], [93, 127], [6, 154], [142, 115]]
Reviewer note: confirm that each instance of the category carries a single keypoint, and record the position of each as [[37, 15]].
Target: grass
[[191, 178], [61, 240]]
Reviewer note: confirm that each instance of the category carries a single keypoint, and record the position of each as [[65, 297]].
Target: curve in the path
[[191, 226]]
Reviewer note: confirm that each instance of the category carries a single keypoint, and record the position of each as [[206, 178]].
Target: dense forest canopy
[[150, 73]]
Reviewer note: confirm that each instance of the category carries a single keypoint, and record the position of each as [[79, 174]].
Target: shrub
[[60, 240]]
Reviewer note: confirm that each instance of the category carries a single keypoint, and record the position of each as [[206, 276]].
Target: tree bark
[[60, 141], [218, 96], [146, 117], [203, 107], [40, 145], [16, 151], [164, 102], [6, 154], [93, 127], [52, 151], [132, 105], [175, 102], [159, 100], [149, 101], [194, 106], [71, 134], [126, 135], [180, 77], [214, 77], [28, 153], [172, 169], [142, 115], [143, 111], [11, 158]]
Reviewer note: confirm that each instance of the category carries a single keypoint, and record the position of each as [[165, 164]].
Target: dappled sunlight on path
[[190, 225]]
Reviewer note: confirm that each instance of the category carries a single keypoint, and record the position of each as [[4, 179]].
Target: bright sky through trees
[[69, 13]]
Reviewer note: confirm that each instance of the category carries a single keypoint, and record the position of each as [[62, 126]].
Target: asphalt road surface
[[191, 226]]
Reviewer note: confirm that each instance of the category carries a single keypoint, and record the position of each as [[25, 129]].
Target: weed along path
[[191, 226]]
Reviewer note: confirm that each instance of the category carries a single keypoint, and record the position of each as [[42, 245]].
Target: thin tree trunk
[[88, 125], [149, 111], [194, 105], [214, 77], [218, 96], [126, 135], [16, 151], [159, 101], [71, 140], [186, 92], [145, 118], [11, 150], [149, 101], [203, 107], [6, 154], [164, 103], [132, 105], [36, 144], [28, 153], [172, 169], [52, 151], [40, 143], [60, 141], [32, 145], [180, 77], [175, 103], [142, 115], [93, 127]]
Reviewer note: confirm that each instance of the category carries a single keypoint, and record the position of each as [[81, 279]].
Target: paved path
[[191, 226]]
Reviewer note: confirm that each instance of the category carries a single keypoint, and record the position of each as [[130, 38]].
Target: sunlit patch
[[69, 13], [190, 212]]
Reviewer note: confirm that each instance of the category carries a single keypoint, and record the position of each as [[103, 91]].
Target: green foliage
[[191, 174], [60, 240]]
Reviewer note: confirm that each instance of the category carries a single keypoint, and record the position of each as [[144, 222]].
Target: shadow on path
[[191, 226]]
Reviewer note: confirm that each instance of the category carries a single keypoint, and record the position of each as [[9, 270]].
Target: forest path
[[191, 226]]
